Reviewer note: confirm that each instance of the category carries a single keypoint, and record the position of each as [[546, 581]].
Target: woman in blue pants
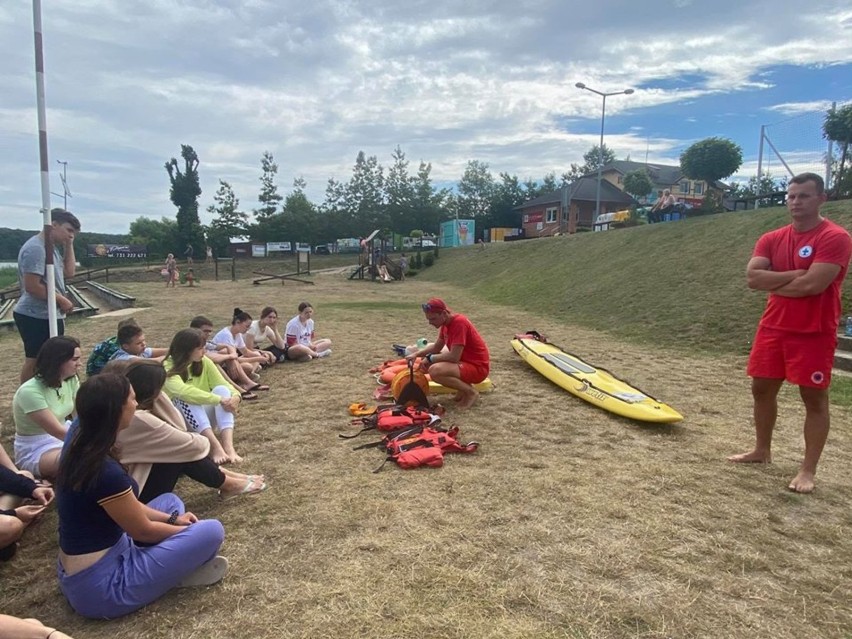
[[116, 553]]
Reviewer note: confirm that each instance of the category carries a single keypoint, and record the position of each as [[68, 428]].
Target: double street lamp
[[580, 85]]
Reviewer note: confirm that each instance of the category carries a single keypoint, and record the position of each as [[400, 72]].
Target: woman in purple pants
[[104, 572]]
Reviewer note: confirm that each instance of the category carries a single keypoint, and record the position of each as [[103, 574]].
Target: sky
[[448, 81]]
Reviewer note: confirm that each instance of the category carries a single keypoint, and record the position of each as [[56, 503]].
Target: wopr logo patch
[[817, 377]]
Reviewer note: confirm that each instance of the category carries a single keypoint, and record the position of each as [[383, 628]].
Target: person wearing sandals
[[263, 334], [104, 569], [156, 448], [301, 338], [202, 393], [226, 359], [43, 403], [233, 335], [16, 486]]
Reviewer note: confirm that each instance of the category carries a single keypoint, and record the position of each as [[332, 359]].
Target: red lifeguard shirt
[[459, 330], [788, 250]]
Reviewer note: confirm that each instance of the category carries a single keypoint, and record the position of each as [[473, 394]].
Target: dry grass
[[569, 522]]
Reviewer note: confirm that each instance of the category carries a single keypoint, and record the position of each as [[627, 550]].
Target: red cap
[[435, 305]]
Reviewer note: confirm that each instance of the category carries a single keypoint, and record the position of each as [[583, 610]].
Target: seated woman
[[42, 404], [104, 570], [301, 338], [226, 359], [202, 393], [16, 486], [233, 336], [156, 448], [263, 334]]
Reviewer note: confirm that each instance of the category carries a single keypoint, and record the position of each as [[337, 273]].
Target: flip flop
[[360, 409], [260, 387], [247, 490], [248, 396]]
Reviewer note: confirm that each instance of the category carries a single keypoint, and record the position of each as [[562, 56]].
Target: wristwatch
[[429, 358]]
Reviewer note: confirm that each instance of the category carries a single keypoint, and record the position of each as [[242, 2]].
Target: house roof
[[662, 175], [583, 189]]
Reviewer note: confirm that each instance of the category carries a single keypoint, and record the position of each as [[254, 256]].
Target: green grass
[[8, 276], [679, 285], [841, 390]]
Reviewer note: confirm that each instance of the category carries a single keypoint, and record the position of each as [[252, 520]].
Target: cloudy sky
[[128, 81]]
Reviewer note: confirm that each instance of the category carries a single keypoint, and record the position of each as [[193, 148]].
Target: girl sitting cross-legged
[[202, 393], [104, 570]]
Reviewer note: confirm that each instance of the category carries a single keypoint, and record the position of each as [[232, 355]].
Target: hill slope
[[677, 285]]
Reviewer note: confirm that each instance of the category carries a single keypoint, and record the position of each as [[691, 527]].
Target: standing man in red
[[802, 265], [466, 360]]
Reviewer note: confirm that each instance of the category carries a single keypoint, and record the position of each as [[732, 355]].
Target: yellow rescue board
[[592, 384], [436, 389]]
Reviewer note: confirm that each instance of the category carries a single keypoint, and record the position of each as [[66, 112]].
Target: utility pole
[[66, 193]]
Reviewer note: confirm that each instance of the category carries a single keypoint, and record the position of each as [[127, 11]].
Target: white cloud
[[447, 80]]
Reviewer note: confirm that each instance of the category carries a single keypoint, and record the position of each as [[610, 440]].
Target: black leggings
[[163, 477], [280, 353]]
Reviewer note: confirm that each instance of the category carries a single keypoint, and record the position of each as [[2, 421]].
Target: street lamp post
[[580, 85]]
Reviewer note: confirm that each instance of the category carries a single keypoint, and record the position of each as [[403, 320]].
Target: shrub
[[418, 261], [429, 260], [412, 272]]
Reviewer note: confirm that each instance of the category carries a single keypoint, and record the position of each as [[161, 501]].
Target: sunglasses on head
[[429, 308]]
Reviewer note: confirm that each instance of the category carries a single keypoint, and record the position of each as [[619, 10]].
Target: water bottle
[[423, 341], [848, 330]]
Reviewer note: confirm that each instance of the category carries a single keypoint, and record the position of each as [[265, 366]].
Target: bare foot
[[218, 456], [468, 400], [234, 458], [249, 486], [458, 397], [754, 457], [802, 483]]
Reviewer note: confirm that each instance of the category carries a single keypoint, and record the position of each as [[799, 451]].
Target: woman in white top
[[263, 334], [233, 335], [43, 403], [301, 337]]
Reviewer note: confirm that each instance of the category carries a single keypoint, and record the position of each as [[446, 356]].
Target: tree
[[475, 190], [638, 183], [837, 127], [184, 193], [228, 220], [508, 193], [269, 197], [591, 161], [711, 160], [755, 186], [428, 206], [364, 195], [399, 194], [159, 235]]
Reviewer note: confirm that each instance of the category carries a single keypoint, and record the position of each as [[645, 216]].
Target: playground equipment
[[303, 267]]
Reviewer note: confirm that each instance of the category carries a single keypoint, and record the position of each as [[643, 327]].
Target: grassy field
[[569, 522]]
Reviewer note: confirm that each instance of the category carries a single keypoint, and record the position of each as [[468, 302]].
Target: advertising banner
[[117, 250], [272, 247], [258, 250]]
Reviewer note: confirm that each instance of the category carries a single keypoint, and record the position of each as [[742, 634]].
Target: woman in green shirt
[[42, 405], [202, 393]]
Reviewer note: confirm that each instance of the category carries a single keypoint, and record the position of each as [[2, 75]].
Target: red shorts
[[472, 374], [801, 359]]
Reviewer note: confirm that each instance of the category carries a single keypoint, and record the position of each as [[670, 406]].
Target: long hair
[[304, 305], [180, 351], [147, 378], [100, 402], [51, 356], [267, 311]]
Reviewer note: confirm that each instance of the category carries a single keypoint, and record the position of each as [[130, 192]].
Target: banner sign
[[272, 247], [117, 250], [258, 250], [533, 217]]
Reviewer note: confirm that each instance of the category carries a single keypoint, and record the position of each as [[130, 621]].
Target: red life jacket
[[389, 419], [405, 447]]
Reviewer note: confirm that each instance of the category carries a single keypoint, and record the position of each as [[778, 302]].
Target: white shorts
[[30, 448]]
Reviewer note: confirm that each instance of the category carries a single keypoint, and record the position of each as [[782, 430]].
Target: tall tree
[[228, 220], [428, 206], [335, 220], [364, 194], [184, 193], [399, 194], [159, 235], [269, 197], [591, 161], [475, 190], [300, 215], [763, 184], [711, 160], [508, 193], [837, 127]]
